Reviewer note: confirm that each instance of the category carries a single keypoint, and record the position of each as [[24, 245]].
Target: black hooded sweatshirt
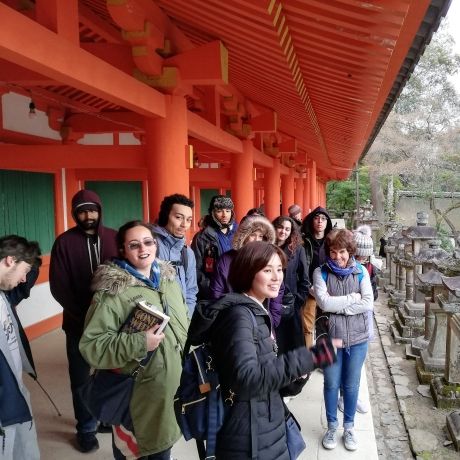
[[314, 249], [70, 267]]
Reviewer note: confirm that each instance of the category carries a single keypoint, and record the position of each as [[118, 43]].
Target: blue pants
[[79, 371], [345, 374]]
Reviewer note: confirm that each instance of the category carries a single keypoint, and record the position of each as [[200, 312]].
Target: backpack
[[199, 403]]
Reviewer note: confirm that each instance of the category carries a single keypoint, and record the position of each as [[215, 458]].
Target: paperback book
[[143, 317]]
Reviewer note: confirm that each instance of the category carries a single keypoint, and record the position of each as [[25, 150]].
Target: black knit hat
[[220, 202]]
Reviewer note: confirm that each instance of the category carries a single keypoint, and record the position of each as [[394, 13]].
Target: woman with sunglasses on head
[[138, 276]]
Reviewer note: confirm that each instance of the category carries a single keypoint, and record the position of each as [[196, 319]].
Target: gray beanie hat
[[364, 243], [220, 202]]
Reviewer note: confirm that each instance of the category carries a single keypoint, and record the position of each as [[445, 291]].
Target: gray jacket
[[347, 303], [170, 248]]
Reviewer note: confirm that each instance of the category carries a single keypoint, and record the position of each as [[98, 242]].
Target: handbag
[[295, 442], [107, 394]]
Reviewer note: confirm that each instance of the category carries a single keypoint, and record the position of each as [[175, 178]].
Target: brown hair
[[340, 239], [295, 238], [249, 260]]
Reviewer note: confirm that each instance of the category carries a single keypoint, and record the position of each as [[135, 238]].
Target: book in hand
[[144, 316]]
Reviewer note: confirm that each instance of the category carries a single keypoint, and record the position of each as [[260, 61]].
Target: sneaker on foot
[[330, 439], [87, 442], [340, 404], [104, 428], [349, 439], [362, 406]]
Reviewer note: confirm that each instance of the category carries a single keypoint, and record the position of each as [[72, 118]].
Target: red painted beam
[[26, 43], [71, 156]]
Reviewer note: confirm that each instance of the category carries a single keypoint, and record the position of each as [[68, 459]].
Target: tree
[[341, 195], [419, 145]]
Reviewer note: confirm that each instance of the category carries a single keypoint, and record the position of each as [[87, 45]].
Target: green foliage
[[341, 195]]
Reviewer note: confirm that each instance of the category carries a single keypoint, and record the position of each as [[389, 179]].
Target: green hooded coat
[[104, 347]]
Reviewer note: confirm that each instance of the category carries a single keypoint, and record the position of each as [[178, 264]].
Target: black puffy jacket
[[248, 365]]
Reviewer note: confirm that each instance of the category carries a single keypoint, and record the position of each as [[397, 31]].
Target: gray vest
[[352, 329]]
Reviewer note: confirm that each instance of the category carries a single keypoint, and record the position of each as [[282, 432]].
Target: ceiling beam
[[26, 43], [74, 156]]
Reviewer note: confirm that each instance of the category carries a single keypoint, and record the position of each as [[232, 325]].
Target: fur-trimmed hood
[[114, 280], [249, 225]]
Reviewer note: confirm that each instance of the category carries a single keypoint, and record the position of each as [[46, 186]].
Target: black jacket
[[206, 247], [248, 365], [314, 249], [289, 332]]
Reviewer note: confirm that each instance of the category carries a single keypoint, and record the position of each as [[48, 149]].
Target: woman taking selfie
[[250, 371], [344, 294], [138, 276]]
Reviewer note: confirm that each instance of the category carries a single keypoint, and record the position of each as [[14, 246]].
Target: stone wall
[[408, 203]]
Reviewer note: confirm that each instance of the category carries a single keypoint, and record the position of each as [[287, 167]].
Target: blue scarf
[[338, 271], [153, 281]]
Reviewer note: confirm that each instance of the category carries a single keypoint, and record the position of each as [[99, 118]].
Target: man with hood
[[18, 437], [74, 257], [174, 220], [214, 240], [314, 229]]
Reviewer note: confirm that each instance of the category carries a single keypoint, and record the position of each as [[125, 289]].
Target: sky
[[453, 19]]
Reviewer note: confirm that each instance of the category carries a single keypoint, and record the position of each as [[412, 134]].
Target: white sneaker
[[330, 439], [362, 406], [349, 439], [340, 404]]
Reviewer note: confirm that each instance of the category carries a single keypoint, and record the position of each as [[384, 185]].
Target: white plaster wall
[[96, 139], [39, 306], [128, 139], [15, 111]]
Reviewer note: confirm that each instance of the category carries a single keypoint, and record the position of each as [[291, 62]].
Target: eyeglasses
[[136, 245]]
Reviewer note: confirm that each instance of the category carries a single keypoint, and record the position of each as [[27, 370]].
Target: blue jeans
[[345, 373], [79, 371]]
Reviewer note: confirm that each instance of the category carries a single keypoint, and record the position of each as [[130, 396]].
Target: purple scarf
[[338, 271]]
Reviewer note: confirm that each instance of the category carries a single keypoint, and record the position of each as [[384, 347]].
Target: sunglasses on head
[[135, 245]]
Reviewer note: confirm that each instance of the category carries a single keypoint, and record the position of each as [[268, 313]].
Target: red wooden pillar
[[166, 153], [72, 186], [306, 197], [272, 190], [287, 191], [298, 192], [313, 188], [243, 180]]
